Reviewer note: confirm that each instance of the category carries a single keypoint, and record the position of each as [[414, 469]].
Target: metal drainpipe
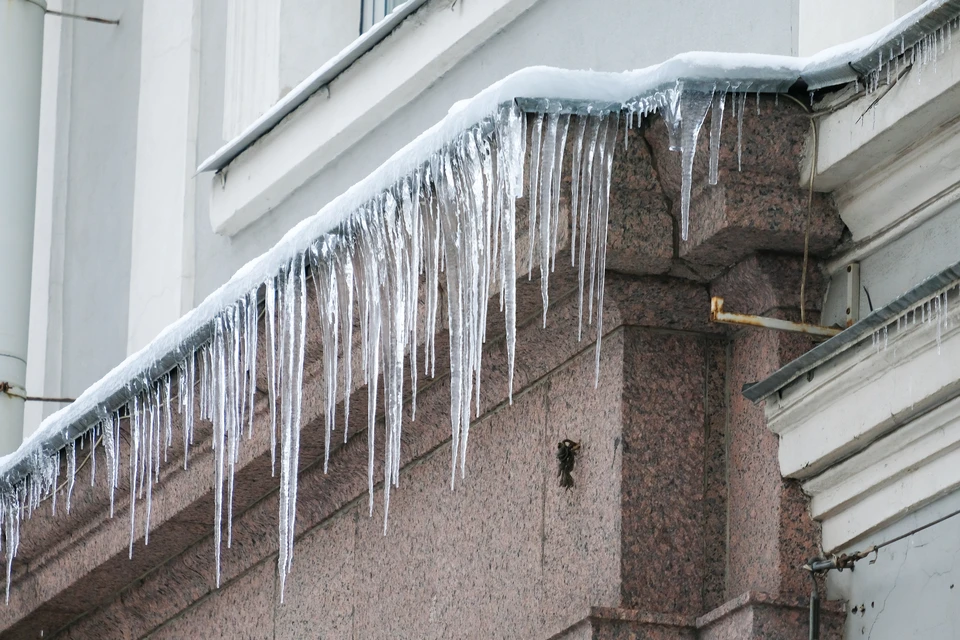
[[21, 53]]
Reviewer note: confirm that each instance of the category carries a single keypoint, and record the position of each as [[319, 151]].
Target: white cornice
[[366, 94], [875, 433]]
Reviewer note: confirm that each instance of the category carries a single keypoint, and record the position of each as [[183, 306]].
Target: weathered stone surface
[[662, 559], [761, 616], [762, 207]]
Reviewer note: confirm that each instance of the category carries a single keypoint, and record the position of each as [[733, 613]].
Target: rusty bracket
[[77, 16], [717, 314], [16, 392]]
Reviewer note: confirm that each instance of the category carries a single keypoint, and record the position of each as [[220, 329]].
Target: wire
[[806, 224], [847, 560]]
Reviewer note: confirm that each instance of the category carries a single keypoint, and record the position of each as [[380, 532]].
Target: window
[[273, 45], [373, 11]]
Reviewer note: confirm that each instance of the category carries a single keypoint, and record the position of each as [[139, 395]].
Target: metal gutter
[[848, 338], [899, 36], [316, 81]]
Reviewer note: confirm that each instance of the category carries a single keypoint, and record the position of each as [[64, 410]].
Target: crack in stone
[[889, 593]]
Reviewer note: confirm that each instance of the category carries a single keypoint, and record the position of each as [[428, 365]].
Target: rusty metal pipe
[[717, 314]]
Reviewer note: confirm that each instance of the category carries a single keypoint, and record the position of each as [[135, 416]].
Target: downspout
[[21, 53]]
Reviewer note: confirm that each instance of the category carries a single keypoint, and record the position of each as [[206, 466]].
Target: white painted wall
[[912, 589], [161, 265], [312, 33], [825, 23], [251, 62], [93, 191], [47, 282], [272, 45]]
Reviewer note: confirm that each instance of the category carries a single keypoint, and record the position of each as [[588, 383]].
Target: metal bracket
[[717, 314], [18, 392], [853, 293], [77, 16], [13, 390]]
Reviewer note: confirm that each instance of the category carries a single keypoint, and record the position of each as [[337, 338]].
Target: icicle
[[134, 421], [71, 470], [106, 428], [586, 180], [510, 156], [168, 417], [270, 298], [612, 127], [535, 137], [562, 131], [671, 106], [219, 374], [575, 185], [546, 207], [716, 124], [694, 110], [743, 107]]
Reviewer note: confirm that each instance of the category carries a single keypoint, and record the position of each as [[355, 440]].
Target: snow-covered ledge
[[873, 431], [375, 87], [890, 156]]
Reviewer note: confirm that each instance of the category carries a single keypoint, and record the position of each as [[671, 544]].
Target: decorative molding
[[874, 434], [366, 94]]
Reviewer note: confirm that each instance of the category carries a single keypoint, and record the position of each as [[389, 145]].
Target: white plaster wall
[[251, 59], [96, 190], [913, 588], [47, 277], [825, 23], [161, 265], [610, 35], [312, 33]]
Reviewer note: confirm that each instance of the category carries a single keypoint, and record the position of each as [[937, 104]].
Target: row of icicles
[[895, 59], [379, 275]]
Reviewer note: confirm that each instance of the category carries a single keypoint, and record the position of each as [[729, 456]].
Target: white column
[[43, 348], [161, 264], [21, 50]]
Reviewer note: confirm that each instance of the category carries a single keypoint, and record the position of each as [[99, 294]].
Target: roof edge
[[850, 337]]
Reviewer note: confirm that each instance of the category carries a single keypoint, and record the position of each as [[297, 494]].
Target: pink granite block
[[715, 477], [761, 208], [320, 596], [581, 525], [662, 501], [241, 609], [627, 624], [756, 615], [640, 236], [463, 563]]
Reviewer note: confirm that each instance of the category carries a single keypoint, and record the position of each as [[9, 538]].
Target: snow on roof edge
[[532, 82]]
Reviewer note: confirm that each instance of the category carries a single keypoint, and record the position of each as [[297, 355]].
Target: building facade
[[714, 460]]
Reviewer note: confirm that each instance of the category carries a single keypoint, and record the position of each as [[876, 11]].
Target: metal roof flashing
[[824, 352]]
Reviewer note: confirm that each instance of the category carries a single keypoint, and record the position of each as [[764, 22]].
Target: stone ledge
[[752, 615]]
